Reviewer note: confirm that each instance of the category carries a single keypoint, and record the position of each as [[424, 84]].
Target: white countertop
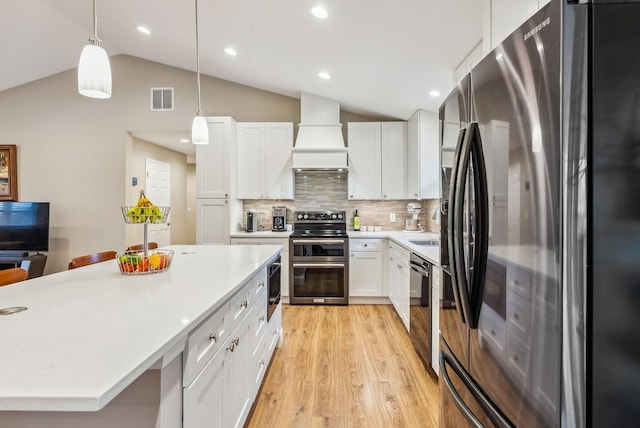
[[90, 332], [431, 253]]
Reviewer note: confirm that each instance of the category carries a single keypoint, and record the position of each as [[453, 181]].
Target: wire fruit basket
[[139, 263], [145, 215]]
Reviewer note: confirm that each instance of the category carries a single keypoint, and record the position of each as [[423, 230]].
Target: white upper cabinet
[[214, 161], [365, 167], [377, 160], [394, 160], [423, 158], [264, 160]]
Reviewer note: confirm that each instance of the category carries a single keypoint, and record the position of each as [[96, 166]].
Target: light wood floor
[[345, 366]]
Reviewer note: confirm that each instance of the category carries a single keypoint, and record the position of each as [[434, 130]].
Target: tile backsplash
[[327, 190]]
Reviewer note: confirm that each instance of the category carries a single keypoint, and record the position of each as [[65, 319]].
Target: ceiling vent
[[161, 99]]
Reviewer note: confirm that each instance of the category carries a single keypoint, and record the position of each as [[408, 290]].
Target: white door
[[159, 192]]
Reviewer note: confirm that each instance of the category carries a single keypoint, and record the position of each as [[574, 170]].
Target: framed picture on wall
[[8, 173]]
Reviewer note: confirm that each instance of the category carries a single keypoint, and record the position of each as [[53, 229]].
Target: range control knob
[[339, 216], [299, 216], [306, 216], [334, 216]]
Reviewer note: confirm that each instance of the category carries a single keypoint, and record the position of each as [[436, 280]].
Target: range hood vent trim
[[319, 144]]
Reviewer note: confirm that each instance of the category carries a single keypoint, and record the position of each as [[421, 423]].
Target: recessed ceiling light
[[143, 29], [324, 75], [230, 51], [184, 140], [434, 93], [320, 12]]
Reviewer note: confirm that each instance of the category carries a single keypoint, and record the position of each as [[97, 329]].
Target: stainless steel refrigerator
[[540, 163]]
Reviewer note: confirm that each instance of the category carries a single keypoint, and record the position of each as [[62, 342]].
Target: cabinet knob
[[366, 245], [261, 284], [493, 333], [244, 304], [214, 337], [233, 344], [515, 316], [261, 319], [351, 196], [226, 195]]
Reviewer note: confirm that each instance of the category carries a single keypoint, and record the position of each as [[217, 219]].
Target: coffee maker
[[279, 222]]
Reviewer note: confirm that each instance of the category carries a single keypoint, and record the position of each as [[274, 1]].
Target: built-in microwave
[[275, 286]]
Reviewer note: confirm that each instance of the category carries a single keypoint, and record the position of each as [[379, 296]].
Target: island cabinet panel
[[221, 393]]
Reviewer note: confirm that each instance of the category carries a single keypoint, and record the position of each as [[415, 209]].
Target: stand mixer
[[414, 209]]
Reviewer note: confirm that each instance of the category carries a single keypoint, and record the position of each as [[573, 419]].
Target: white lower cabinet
[[399, 281], [236, 375], [203, 399], [435, 317], [236, 340], [365, 267]]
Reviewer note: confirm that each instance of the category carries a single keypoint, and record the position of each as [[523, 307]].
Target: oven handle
[[318, 241], [316, 265]]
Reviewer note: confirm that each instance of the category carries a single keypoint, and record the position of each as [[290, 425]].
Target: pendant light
[[94, 70], [199, 128]]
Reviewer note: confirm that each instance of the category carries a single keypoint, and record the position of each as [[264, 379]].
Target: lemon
[[154, 261]]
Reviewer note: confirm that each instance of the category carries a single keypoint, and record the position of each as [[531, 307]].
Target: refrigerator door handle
[[460, 269], [451, 220], [466, 411], [497, 418], [481, 239]]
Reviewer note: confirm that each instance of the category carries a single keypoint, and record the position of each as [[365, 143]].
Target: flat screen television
[[24, 226]]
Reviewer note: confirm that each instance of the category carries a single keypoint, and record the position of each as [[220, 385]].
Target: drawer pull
[[516, 359], [214, 337], [365, 245], [516, 316], [244, 304], [233, 344], [493, 333], [261, 319], [261, 362], [261, 284]]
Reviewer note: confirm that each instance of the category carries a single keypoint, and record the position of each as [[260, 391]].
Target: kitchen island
[[90, 335]]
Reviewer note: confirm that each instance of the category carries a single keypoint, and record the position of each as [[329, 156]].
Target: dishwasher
[[420, 309]]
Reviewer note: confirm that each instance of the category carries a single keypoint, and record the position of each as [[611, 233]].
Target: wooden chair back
[[9, 276], [140, 247], [90, 259]]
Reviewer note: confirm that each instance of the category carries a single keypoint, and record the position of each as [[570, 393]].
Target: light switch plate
[[392, 217]]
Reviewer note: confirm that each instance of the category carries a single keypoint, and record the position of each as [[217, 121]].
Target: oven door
[[318, 249], [317, 283]]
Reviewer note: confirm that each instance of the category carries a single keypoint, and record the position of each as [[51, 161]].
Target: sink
[[426, 242]]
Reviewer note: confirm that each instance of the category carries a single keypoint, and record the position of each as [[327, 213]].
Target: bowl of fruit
[[137, 263]]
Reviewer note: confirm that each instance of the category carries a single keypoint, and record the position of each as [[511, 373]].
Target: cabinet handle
[[261, 284], [516, 359], [261, 362], [399, 267], [226, 195], [233, 344], [493, 333], [365, 245], [244, 304], [261, 319], [515, 316], [214, 337], [351, 196]]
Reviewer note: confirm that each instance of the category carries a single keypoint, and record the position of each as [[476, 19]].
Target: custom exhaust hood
[[319, 144]]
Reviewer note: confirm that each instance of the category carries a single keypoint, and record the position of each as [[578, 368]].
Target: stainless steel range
[[319, 258]]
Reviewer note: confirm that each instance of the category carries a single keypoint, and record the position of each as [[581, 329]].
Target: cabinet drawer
[[365, 244], [519, 280], [517, 357], [259, 285], [258, 324], [492, 330], [274, 327], [519, 316], [203, 343], [239, 305], [399, 251]]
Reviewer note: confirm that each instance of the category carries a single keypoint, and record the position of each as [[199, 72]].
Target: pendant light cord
[[197, 59], [95, 40]]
